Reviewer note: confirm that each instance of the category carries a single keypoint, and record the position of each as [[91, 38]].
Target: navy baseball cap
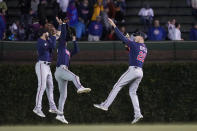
[[139, 33], [42, 31]]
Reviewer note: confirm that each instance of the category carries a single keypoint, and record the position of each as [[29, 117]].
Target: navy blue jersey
[[137, 51], [45, 48], [64, 54]]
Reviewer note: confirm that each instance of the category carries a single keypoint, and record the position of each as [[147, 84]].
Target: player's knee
[[132, 91], [63, 97], [75, 78]]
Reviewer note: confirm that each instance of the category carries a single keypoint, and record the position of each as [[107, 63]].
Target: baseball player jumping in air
[[133, 76], [62, 73], [45, 46]]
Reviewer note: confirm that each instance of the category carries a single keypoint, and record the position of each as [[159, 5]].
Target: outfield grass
[[178, 127]]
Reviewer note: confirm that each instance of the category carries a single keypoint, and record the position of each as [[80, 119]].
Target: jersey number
[[141, 56]]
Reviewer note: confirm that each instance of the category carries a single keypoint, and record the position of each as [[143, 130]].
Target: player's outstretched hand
[[111, 22], [60, 22]]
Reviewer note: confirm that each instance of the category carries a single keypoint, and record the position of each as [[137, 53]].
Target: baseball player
[[133, 76], [45, 46], [63, 74]]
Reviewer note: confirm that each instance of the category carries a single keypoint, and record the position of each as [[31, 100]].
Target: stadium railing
[[25, 51]]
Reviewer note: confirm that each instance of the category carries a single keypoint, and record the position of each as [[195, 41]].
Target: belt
[[45, 62], [136, 67], [63, 67]]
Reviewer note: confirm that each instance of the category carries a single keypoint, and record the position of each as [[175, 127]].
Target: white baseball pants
[[63, 75], [45, 82], [133, 75]]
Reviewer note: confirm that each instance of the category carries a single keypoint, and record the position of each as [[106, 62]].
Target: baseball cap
[[139, 33], [42, 31]]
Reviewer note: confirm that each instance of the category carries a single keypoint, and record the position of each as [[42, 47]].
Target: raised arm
[[75, 50], [52, 42], [61, 30], [118, 33]]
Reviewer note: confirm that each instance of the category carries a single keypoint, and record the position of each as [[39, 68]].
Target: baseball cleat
[[136, 119], [39, 112], [83, 90], [61, 118], [55, 111], [100, 106]]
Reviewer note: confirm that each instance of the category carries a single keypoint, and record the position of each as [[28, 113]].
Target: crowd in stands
[[88, 17], [157, 33]]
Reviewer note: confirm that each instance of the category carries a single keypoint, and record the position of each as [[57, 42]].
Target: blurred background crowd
[[89, 18]]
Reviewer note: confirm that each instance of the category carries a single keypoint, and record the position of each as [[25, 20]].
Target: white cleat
[[61, 118], [100, 106], [136, 119], [55, 111], [83, 90], [39, 112]]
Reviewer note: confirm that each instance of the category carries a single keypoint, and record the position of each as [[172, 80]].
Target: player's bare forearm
[[111, 22]]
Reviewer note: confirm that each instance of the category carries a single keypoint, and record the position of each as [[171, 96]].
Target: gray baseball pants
[[63, 75], [133, 76], [45, 82]]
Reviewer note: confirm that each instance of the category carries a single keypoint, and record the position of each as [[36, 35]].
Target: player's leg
[[62, 84], [49, 91], [69, 76], [134, 98], [41, 72], [123, 80]]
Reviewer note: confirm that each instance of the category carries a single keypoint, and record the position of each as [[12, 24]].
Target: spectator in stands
[[63, 6], [188, 3], [34, 7], [193, 32], [194, 6], [33, 30], [98, 8], [171, 27], [21, 33], [25, 7], [146, 13], [84, 11], [14, 27], [72, 14], [111, 36], [56, 12], [120, 10], [177, 32], [156, 33], [112, 9], [3, 6], [80, 29], [123, 30], [42, 12], [2, 25], [106, 26], [95, 30]]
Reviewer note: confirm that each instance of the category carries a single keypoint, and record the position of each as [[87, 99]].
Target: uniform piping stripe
[[40, 86], [77, 81], [75, 77]]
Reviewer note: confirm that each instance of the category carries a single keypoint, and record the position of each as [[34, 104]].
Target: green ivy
[[167, 93]]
